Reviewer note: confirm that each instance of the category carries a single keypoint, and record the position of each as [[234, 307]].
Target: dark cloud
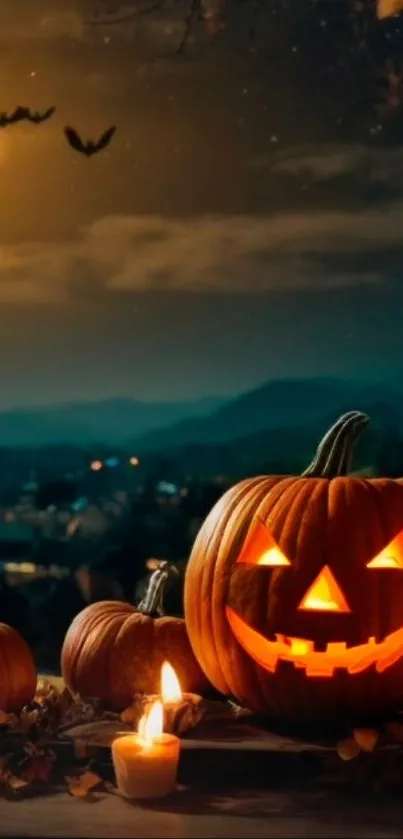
[[323, 162], [229, 254]]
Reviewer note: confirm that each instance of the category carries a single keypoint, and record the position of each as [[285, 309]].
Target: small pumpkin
[[294, 590], [18, 676], [113, 650]]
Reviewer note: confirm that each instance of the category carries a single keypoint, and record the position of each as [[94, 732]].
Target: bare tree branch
[[194, 11], [128, 17]]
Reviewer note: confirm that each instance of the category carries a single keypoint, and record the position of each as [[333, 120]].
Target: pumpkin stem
[[153, 601], [335, 450]]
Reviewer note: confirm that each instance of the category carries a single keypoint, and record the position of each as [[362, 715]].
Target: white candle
[[146, 763]]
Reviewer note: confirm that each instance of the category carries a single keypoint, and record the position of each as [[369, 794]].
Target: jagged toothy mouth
[[303, 654]]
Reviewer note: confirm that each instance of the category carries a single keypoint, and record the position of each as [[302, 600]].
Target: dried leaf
[[78, 791], [90, 779], [348, 749], [237, 710], [27, 720], [38, 770], [130, 715], [82, 785], [366, 738], [17, 784], [12, 721]]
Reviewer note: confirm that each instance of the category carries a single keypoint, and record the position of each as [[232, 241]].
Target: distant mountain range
[[114, 421], [276, 410], [283, 404]]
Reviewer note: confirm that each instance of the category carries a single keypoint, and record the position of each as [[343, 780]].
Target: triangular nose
[[324, 595]]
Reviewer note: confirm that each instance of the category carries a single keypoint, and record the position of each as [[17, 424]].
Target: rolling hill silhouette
[[113, 421], [280, 405]]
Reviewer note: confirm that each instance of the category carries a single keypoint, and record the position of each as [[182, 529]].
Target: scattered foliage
[[35, 755], [376, 756], [31, 760]]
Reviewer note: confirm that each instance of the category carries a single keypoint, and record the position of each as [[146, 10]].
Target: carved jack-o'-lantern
[[294, 590]]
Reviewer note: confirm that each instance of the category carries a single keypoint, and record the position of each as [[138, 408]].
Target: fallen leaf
[[17, 784], [27, 720], [129, 715], [238, 710], [90, 779], [38, 770], [366, 738], [348, 749], [80, 786], [75, 789]]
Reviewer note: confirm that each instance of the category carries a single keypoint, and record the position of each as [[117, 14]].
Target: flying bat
[[38, 116], [21, 113], [16, 116], [89, 148]]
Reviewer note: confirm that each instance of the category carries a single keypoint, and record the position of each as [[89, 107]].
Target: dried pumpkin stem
[[153, 601], [334, 453]]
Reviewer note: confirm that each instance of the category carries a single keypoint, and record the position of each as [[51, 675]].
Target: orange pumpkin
[[18, 675], [294, 590], [113, 651]]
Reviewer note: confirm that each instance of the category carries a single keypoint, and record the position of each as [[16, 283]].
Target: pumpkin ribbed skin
[[18, 675], [342, 523], [112, 651]]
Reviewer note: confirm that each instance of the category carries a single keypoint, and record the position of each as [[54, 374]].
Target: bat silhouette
[[38, 116], [22, 113], [89, 147], [16, 116]]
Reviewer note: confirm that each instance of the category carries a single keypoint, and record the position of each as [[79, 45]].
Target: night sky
[[233, 232]]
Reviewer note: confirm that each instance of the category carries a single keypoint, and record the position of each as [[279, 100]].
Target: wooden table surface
[[242, 782], [288, 794], [195, 815]]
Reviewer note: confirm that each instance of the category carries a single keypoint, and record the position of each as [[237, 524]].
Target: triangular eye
[[261, 549], [391, 556], [324, 595], [385, 560]]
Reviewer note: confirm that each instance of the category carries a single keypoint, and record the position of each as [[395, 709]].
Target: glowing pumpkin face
[[342, 636], [294, 589]]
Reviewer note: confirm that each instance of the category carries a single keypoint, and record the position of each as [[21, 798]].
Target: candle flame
[[151, 723], [170, 687]]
